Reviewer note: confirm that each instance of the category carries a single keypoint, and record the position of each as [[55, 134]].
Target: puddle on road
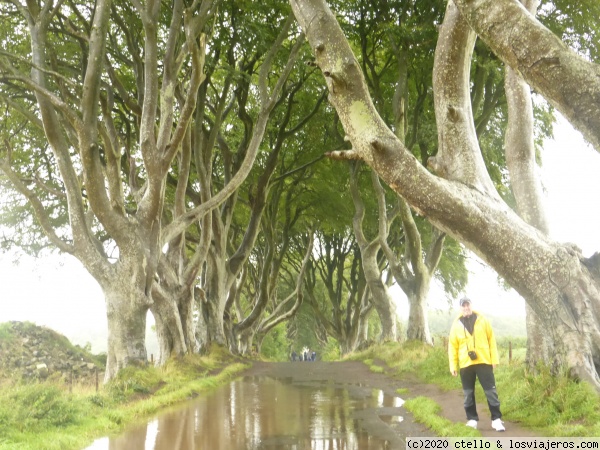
[[261, 413]]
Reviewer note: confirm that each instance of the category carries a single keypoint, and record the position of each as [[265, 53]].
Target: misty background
[[57, 292]]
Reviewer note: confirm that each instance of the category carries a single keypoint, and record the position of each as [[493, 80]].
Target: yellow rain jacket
[[461, 342]]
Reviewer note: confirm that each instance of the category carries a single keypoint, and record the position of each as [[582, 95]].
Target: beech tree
[[115, 112], [397, 66], [556, 280], [526, 187], [337, 291], [278, 309], [130, 127], [378, 290], [272, 255]]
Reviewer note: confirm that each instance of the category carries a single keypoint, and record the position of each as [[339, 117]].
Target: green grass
[[564, 407], [373, 367], [6, 333], [549, 405], [46, 416], [427, 411]]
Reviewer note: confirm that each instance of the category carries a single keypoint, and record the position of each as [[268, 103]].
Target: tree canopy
[[208, 162], [460, 199]]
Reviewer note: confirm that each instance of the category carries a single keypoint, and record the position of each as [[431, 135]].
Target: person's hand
[[494, 366], [453, 372]]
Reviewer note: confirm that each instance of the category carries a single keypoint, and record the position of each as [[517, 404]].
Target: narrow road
[[359, 380]]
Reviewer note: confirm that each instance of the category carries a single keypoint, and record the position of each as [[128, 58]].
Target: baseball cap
[[464, 300]]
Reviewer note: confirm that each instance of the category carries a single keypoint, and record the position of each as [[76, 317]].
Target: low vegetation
[[49, 414], [549, 405], [427, 411]]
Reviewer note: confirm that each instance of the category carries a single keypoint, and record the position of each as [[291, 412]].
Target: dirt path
[[451, 403], [356, 375]]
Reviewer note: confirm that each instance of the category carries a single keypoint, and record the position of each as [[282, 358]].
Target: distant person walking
[[472, 349], [294, 355], [304, 354]]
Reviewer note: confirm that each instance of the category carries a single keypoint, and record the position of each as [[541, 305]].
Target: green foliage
[[552, 405], [427, 411], [561, 403], [373, 366], [6, 332], [133, 380], [305, 323], [576, 23], [331, 351], [451, 269], [275, 344], [39, 406], [47, 416]]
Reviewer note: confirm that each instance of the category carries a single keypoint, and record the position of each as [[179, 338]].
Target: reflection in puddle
[[265, 413], [385, 400]]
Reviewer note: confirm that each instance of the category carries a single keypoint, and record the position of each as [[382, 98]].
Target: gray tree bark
[[344, 322], [555, 279], [527, 189], [126, 310], [223, 267], [91, 154], [568, 82], [380, 296]]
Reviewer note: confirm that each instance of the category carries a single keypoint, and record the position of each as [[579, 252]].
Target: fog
[[57, 292]]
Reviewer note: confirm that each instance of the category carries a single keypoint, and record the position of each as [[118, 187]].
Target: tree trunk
[[346, 347], [185, 306], [413, 273], [202, 323], [169, 331], [361, 331], [258, 342], [350, 338], [560, 284], [569, 82], [213, 306], [380, 296], [126, 315], [418, 323], [246, 338], [385, 310], [215, 331], [539, 342], [526, 187]]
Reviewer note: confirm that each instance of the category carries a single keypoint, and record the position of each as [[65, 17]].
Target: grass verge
[[427, 411], [549, 405], [46, 416]]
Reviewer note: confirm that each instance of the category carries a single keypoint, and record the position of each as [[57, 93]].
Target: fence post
[[96, 380], [71, 381], [509, 351]]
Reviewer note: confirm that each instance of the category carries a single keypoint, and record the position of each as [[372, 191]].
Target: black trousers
[[485, 374]]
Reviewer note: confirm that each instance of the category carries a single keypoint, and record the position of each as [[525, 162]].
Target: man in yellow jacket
[[472, 350]]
